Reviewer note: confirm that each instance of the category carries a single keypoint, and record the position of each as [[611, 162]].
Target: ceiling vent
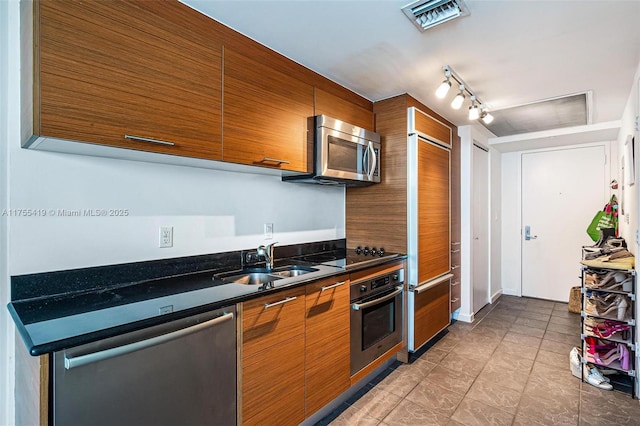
[[429, 13]]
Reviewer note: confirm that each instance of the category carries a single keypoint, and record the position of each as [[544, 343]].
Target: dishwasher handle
[[77, 361]]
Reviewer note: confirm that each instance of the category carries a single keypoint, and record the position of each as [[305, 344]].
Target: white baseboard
[[462, 317], [495, 296], [510, 292]]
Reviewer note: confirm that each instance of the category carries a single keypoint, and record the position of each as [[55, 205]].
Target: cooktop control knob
[[381, 252], [363, 288], [395, 277], [358, 250], [373, 251], [366, 251]]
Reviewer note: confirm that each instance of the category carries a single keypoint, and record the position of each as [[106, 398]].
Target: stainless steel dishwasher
[[179, 373]]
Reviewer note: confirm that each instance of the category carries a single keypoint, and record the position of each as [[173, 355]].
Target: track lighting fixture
[[477, 110], [456, 103], [444, 87]]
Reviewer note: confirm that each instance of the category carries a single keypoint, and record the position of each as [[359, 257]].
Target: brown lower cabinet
[[327, 356], [431, 311], [273, 359], [295, 352], [273, 385]]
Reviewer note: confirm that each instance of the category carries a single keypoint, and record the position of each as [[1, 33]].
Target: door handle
[[527, 234]]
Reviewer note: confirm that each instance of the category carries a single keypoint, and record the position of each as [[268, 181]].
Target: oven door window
[[378, 322]]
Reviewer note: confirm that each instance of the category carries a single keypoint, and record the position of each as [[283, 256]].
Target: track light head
[[486, 117], [443, 89], [474, 111], [456, 103]]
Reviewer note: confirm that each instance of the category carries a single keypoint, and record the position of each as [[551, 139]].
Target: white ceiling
[[510, 52]]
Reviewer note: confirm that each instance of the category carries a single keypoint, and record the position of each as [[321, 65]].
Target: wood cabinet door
[[265, 114], [342, 109], [431, 312], [273, 385], [272, 319], [434, 217], [142, 68], [273, 359], [431, 128], [327, 315]]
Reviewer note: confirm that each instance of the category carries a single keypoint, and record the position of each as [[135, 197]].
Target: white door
[[480, 231], [561, 192]]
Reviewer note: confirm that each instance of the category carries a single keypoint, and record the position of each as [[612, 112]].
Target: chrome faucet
[[267, 252]]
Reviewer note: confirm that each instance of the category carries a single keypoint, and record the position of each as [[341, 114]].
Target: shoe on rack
[[598, 374], [575, 361], [596, 379], [605, 234], [624, 357], [608, 328]]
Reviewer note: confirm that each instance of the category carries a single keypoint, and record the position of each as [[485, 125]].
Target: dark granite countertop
[[62, 309]]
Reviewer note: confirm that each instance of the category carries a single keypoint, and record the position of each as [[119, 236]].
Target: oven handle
[[358, 306], [430, 284]]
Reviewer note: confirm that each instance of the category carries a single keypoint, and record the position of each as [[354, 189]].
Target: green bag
[[600, 220]]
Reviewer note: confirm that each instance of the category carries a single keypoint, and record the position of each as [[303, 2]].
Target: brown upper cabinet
[[127, 74], [265, 114], [148, 76], [342, 109]]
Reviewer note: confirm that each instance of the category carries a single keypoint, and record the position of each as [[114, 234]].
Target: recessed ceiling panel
[[568, 111]]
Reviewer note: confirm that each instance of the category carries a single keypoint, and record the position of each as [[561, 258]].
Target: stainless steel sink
[[263, 275], [292, 271], [250, 278]]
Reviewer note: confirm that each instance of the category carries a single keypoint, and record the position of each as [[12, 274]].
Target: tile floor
[[510, 367]]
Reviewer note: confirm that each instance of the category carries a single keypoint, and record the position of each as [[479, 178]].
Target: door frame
[[478, 135], [513, 239], [490, 298]]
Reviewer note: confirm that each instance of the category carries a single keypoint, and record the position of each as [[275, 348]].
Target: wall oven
[[376, 317]]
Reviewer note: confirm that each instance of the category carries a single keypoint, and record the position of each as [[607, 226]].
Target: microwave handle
[[375, 161], [365, 160]]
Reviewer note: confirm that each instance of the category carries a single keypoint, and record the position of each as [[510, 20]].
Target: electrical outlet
[[166, 236], [268, 230]]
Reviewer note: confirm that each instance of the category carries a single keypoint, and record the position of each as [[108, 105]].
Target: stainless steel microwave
[[343, 154]]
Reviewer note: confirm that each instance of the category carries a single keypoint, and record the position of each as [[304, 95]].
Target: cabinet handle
[[426, 285], [455, 267], [455, 300], [141, 139], [456, 243], [455, 284], [455, 251], [273, 160], [329, 287], [288, 299]]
